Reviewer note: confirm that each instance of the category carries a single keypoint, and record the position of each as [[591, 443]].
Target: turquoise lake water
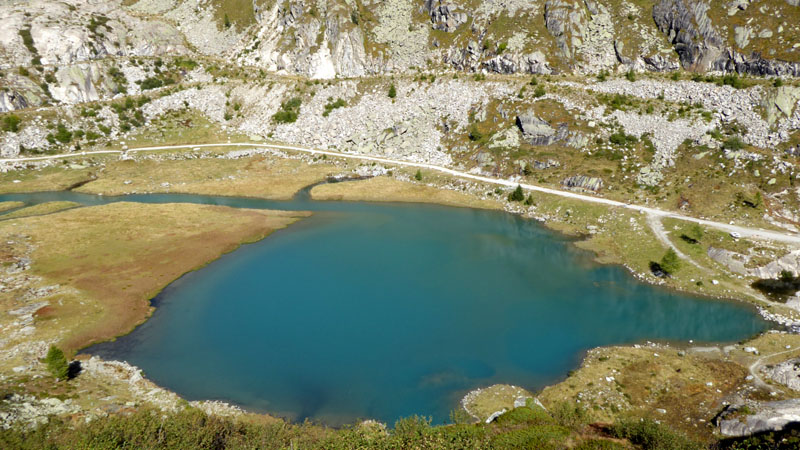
[[387, 310]]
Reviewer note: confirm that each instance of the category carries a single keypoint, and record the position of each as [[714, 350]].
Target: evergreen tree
[[392, 91], [418, 175], [57, 363], [517, 195], [670, 263]]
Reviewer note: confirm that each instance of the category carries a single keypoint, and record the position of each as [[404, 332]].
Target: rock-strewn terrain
[[685, 105]]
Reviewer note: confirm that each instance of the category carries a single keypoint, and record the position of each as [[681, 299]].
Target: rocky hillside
[[347, 38], [625, 98]]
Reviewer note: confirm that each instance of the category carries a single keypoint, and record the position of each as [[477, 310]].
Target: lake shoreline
[[579, 237]]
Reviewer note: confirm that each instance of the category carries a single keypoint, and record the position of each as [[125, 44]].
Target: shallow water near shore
[[368, 310]]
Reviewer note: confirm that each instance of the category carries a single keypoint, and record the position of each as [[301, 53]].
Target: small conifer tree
[[57, 363], [517, 195]]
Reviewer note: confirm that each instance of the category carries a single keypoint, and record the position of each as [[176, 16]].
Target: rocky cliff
[[348, 38]]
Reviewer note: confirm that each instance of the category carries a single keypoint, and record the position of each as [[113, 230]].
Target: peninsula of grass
[[110, 260]]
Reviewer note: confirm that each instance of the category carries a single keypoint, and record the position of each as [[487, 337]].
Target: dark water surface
[[387, 310]]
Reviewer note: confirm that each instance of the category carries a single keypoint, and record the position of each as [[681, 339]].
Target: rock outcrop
[[771, 416], [445, 17], [538, 131], [701, 47], [583, 182]]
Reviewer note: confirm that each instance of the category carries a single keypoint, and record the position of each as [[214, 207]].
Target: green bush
[[475, 134], [331, 105], [27, 40], [151, 83], [620, 138], [288, 112], [649, 435], [418, 175], [63, 135], [670, 262], [517, 195], [734, 81], [392, 91], [11, 123], [413, 427], [57, 363], [570, 415], [734, 143], [529, 201], [630, 75], [539, 92]]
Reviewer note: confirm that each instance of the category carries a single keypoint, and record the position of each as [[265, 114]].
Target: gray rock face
[[700, 47], [772, 416], [565, 21], [445, 17], [781, 102], [690, 31], [537, 131], [786, 373], [742, 36], [10, 101], [593, 184], [534, 63]]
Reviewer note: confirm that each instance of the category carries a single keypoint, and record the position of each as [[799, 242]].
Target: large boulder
[[538, 131], [583, 182], [771, 416], [781, 102]]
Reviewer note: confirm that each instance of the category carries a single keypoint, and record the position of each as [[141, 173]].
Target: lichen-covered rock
[[771, 416], [583, 182], [538, 131], [780, 102], [445, 17]]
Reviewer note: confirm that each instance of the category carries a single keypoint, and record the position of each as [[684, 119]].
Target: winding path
[[756, 233], [754, 368]]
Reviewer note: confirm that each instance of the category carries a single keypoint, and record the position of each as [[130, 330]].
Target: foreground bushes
[[521, 428]]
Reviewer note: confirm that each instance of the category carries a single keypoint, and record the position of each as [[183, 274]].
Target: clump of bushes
[[331, 105], [27, 40], [289, 111], [622, 139], [650, 435], [733, 143], [11, 123], [151, 83], [517, 196], [119, 79], [62, 135]]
